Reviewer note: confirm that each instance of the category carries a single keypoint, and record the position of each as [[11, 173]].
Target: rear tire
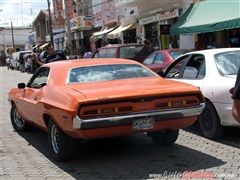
[[210, 123], [62, 147], [18, 123], [164, 137]]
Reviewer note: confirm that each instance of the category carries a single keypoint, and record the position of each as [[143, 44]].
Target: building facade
[[130, 21], [81, 26], [19, 38], [153, 22], [42, 28], [58, 23]]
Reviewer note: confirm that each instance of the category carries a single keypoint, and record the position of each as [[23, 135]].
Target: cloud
[[20, 12]]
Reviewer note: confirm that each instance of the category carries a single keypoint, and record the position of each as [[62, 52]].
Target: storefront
[[157, 29], [166, 20], [211, 23], [81, 27], [151, 31], [123, 34], [130, 36]]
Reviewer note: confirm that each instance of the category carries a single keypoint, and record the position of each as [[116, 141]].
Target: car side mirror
[[21, 85], [161, 73]]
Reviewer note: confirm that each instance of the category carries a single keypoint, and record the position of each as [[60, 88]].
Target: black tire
[[210, 123], [62, 147], [164, 137], [18, 123]]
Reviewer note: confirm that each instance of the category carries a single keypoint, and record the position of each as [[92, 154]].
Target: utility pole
[[22, 12], [69, 35], [50, 24], [13, 45]]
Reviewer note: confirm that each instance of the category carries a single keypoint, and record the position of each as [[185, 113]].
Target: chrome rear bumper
[[122, 120]]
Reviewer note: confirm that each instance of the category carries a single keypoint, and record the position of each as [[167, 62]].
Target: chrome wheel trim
[[55, 139], [18, 120]]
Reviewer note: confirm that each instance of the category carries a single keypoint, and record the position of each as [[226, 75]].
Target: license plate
[[143, 123]]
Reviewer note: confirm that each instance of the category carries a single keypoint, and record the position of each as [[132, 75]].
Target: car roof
[[68, 64], [167, 50], [121, 45], [210, 51], [214, 51]]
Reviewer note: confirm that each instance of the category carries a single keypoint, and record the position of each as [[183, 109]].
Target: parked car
[[102, 98], [8, 62], [59, 56], [159, 60], [29, 62], [17, 61], [214, 72], [126, 51]]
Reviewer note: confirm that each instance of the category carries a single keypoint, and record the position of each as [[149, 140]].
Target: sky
[[20, 12]]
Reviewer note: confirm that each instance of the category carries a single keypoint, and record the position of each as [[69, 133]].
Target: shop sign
[[84, 22], [58, 19], [48, 38], [148, 20], [165, 40], [59, 22], [168, 15], [73, 24], [98, 23], [165, 36]]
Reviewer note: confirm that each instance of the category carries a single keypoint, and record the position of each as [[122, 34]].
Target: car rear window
[[108, 73], [129, 52]]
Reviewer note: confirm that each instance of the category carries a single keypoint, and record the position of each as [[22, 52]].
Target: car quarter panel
[[61, 104]]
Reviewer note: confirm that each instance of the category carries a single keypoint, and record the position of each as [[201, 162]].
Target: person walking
[[144, 52]]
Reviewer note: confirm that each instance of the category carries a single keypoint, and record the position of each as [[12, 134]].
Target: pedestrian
[[236, 99], [234, 40], [88, 55], [144, 52], [21, 63], [67, 51], [52, 56], [8, 62]]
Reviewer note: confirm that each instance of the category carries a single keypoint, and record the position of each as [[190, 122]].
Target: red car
[[159, 60], [126, 51]]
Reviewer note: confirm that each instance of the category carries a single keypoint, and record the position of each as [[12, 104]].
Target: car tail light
[[167, 103], [89, 111]]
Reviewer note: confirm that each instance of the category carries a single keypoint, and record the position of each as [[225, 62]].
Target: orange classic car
[[88, 99]]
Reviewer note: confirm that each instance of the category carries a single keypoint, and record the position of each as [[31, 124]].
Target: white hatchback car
[[214, 72]]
